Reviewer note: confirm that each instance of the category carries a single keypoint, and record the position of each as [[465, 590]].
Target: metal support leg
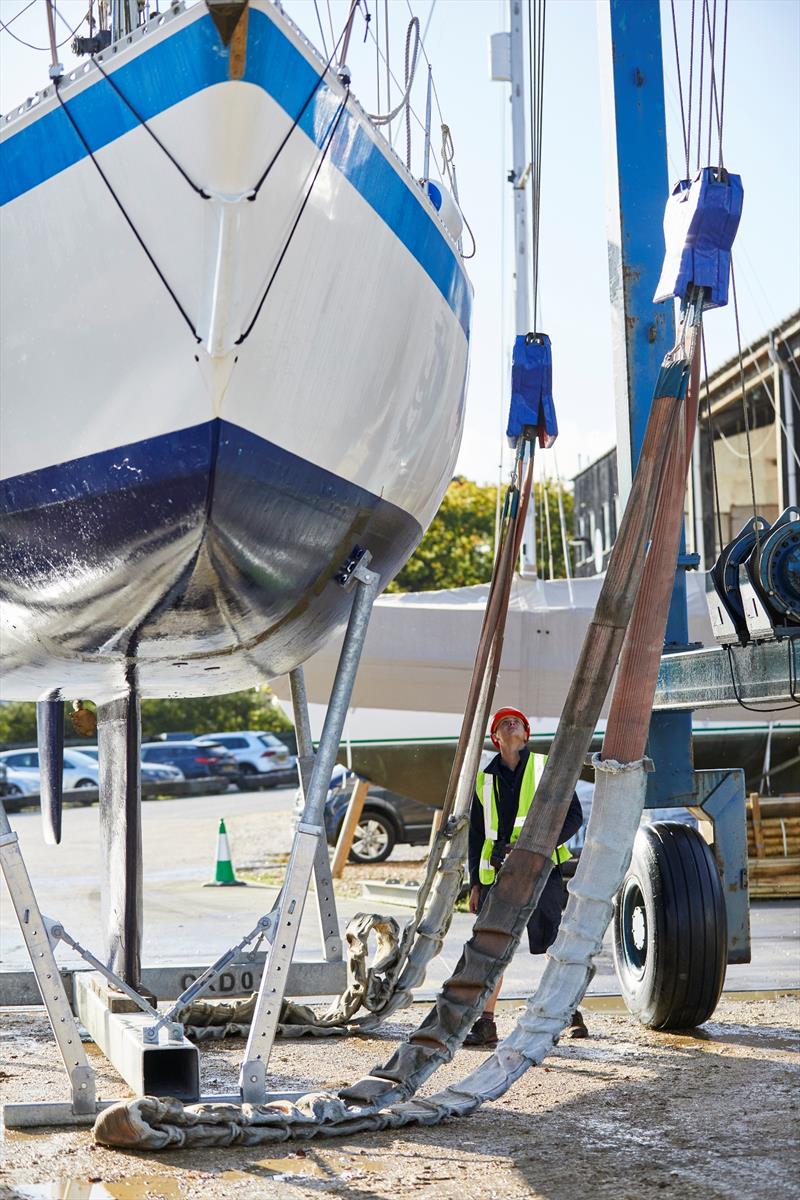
[[48, 977], [721, 805], [252, 1080], [119, 743], [323, 883]]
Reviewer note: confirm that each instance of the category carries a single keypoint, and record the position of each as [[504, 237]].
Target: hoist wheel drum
[[779, 569], [725, 572], [670, 929]]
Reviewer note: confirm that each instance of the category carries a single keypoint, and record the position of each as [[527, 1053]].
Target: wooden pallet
[[773, 846]]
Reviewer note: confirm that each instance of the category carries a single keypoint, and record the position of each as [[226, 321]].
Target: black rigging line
[[121, 208], [298, 118], [700, 84], [30, 4], [680, 86], [722, 85], [691, 82], [745, 412], [5, 28], [330, 136], [112, 82], [712, 33], [711, 446]]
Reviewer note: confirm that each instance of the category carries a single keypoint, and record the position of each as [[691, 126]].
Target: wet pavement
[[187, 922]]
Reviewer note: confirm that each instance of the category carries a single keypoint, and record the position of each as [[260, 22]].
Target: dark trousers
[[546, 917]]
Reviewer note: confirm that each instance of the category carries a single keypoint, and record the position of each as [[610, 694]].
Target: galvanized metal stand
[[309, 839], [323, 883], [81, 1107]]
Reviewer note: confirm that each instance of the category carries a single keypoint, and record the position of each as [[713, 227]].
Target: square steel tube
[[166, 1069]]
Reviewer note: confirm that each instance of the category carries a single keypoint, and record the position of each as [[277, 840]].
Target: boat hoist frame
[[115, 1004], [642, 341]]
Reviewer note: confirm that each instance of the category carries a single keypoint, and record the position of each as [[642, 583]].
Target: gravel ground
[[628, 1114]]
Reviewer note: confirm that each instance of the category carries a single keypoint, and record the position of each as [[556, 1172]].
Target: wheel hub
[[638, 928]]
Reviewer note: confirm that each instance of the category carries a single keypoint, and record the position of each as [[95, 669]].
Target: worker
[[504, 791]]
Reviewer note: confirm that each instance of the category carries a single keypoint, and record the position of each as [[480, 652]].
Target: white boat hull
[[179, 496]]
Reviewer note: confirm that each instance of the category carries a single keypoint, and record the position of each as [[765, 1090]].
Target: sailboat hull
[[201, 422]]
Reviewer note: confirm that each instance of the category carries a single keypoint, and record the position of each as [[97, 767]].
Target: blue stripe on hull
[[193, 59], [206, 550]]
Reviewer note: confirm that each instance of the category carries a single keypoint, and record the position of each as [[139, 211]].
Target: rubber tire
[[370, 815], [80, 786], [14, 799], [671, 967], [246, 774]]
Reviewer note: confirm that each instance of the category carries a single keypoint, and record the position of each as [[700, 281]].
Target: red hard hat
[[508, 712]]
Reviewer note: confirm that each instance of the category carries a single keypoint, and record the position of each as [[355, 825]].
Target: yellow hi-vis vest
[[484, 786]]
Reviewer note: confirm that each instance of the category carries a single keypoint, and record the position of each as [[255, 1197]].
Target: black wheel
[[82, 785], [245, 780], [375, 838], [670, 929], [13, 798]]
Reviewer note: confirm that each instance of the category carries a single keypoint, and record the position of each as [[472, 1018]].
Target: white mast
[[508, 66]]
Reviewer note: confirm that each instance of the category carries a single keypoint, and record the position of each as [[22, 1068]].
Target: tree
[[458, 549], [254, 709]]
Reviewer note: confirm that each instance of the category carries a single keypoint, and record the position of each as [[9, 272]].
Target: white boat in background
[[415, 669], [420, 649], [203, 418]]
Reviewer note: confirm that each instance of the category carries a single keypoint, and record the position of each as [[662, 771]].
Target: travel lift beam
[[632, 83]]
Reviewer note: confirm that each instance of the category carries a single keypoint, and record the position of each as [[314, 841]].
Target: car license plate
[[230, 768]]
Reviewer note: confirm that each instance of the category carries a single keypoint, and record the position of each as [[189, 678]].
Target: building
[[761, 394]]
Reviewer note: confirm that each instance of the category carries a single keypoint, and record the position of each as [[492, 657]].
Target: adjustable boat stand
[[147, 1047]]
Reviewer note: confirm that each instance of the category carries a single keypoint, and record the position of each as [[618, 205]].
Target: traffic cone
[[224, 875]]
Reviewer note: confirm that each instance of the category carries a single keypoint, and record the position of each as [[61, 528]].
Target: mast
[[508, 66]]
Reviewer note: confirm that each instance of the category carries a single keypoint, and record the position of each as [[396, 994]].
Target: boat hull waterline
[[178, 501]]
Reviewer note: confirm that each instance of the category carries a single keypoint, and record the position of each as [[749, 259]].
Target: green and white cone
[[224, 875]]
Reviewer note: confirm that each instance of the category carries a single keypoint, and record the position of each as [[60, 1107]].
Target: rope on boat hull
[[160, 1124]]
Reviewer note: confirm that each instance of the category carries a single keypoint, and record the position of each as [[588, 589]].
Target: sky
[[761, 138]]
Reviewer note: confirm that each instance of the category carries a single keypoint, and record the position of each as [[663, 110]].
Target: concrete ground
[[627, 1115], [185, 922]]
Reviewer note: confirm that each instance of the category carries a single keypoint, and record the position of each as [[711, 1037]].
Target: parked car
[[79, 770], [196, 760], [386, 820], [151, 773], [257, 754]]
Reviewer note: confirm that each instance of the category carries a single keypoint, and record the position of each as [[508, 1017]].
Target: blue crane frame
[[629, 34]]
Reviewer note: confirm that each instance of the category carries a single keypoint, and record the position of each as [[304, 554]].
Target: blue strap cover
[[700, 223], [532, 389]]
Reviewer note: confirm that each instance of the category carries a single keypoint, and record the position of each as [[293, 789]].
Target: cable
[[737, 695], [113, 84], [745, 413], [321, 30], [712, 450], [680, 85], [330, 136], [121, 208], [691, 81], [302, 111], [387, 118], [30, 4], [30, 46]]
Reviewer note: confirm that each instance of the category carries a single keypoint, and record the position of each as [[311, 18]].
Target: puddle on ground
[[341, 1166], [143, 1187]]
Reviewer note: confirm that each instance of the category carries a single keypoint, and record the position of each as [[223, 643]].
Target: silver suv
[[262, 757]]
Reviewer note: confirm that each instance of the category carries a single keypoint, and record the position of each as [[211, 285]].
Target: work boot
[[577, 1026], [483, 1033]]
